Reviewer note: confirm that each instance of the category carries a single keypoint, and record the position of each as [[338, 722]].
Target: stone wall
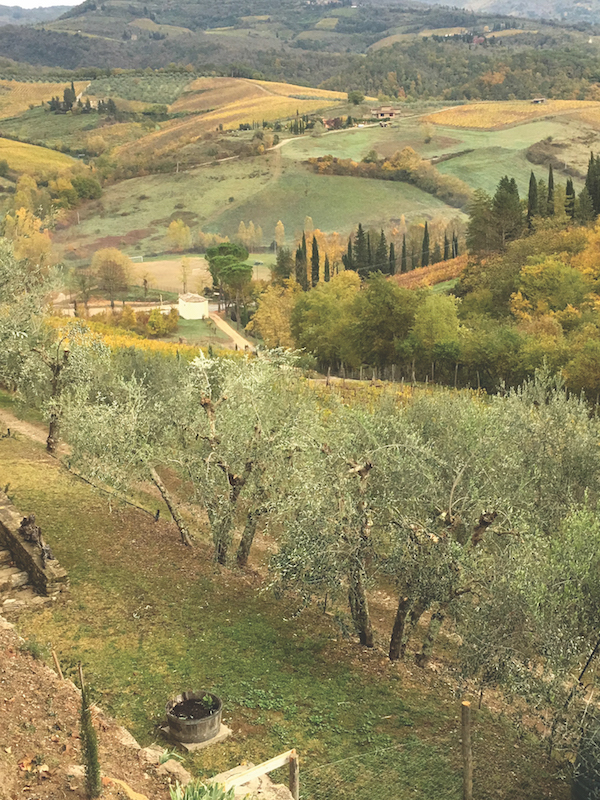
[[49, 580]]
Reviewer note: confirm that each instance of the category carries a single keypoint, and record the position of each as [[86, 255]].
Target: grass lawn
[[198, 331], [149, 618]]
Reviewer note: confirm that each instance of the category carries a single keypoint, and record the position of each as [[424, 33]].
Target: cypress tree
[[425, 255], [89, 748], [315, 262], [392, 269], [403, 258], [326, 269], [300, 269], [550, 191], [446, 247], [454, 245], [592, 182], [532, 200], [437, 254], [570, 199], [369, 251], [348, 257], [303, 246], [382, 255], [361, 252]]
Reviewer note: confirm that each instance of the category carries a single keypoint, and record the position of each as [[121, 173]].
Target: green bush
[[201, 791]]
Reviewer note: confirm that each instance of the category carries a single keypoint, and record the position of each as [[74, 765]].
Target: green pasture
[[261, 192], [335, 203], [496, 153], [39, 125], [149, 618]]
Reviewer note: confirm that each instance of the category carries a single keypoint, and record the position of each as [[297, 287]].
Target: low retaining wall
[[48, 580]]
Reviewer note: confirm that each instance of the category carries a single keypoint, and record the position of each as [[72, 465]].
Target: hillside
[[568, 11], [15, 15]]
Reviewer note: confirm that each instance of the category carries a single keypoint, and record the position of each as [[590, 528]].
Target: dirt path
[[242, 343], [32, 431]]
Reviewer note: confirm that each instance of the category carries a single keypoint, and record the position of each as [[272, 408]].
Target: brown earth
[[39, 735]]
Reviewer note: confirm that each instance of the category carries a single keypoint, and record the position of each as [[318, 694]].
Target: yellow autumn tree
[[31, 241], [272, 320], [279, 234], [178, 236]]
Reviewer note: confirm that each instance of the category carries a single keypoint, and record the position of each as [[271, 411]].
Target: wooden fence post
[[57, 664], [294, 775], [466, 751]]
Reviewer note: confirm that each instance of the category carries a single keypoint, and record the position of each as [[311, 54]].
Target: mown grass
[[148, 618]]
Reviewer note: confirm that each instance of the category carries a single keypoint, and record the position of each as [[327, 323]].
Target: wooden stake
[[466, 751], [294, 775], [57, 665]]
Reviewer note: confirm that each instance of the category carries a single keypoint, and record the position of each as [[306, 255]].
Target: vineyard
[[38, 161], [433, 274], [228, 103], [487, 116], [16, 97]]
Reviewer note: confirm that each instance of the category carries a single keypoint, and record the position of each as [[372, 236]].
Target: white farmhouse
[[193, 306]]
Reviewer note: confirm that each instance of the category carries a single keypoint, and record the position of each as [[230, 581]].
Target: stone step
[[21, 598], [5, 557], [12, 578]]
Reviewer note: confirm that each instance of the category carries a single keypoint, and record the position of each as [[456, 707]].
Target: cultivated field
[[490, 116], [145, 24], [16, 97], [227, 103], [38, 161]]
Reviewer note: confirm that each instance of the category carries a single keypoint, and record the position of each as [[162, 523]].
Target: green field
[[497, 153], [136, 213]]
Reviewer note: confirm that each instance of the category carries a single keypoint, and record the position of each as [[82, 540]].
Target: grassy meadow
[[148, 618]]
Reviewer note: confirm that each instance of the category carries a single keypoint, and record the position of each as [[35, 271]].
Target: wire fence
[[413, 769]]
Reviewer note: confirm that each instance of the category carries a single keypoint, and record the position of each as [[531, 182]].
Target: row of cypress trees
[[364, 258]]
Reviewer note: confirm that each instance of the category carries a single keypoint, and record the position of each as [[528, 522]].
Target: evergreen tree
[[437, 254], [326, 269], [446, 247], [300, 269], [454, 245], [507, 214], [584, 211], [89, 748], [592, 182], [392, 268], [382, 255], [532, 200], [550, 191], [570, 199], [403, 255], [369, 251], [361, 252], [425, 254], [542, 193], [348, 257], [303, 246], [315, 262], [284, 265]]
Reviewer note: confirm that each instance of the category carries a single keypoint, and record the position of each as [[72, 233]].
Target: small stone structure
[[193, 306], [23, 539]]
